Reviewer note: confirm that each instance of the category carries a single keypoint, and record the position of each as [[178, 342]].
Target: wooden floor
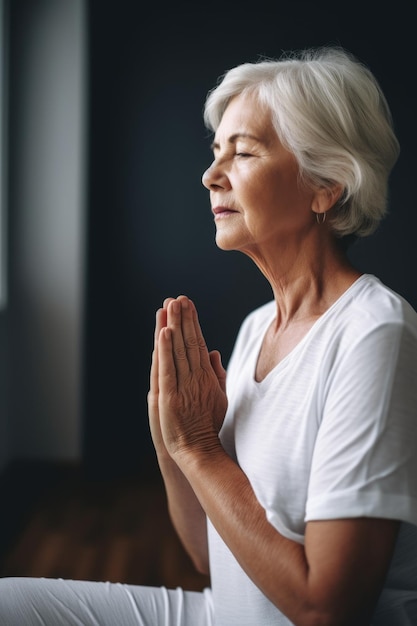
[[114, 530]]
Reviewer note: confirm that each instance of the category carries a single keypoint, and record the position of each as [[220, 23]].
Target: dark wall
[[151, 233]]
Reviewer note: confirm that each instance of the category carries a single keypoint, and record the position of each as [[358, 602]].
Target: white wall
[[48, 185]]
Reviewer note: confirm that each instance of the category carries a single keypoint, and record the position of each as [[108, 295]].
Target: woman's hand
[[187, 381], [153, 394], [187, 515]]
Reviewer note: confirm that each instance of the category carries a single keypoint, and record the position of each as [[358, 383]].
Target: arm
[[335, 578], [187, 515]]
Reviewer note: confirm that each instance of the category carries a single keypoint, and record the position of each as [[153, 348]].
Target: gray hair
[[330, 112]]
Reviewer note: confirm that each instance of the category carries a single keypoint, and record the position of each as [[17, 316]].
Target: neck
[[305, 285]]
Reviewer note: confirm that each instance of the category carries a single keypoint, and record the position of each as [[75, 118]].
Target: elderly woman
[[292, 479]]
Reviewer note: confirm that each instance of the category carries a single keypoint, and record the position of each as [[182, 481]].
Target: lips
[[222, 211]]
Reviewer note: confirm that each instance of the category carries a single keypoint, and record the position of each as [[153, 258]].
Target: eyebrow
[[233, 138]]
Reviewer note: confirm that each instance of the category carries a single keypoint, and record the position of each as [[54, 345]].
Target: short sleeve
[[365, 456]]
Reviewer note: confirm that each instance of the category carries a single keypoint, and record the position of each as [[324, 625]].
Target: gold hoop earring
[[322, 219]]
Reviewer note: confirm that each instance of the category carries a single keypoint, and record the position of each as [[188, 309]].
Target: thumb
[[216, 364]]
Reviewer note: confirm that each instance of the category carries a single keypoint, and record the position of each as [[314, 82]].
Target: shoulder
[[370, 303], [371, 324]]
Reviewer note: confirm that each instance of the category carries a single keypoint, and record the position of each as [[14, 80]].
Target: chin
[[225, 243], [230, 238]]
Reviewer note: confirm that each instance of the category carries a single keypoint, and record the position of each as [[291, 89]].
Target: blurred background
[[103, 215]]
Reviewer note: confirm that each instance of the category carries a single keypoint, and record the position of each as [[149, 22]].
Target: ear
[[325, 198]]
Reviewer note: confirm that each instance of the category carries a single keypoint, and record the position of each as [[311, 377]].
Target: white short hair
[[330, 112]]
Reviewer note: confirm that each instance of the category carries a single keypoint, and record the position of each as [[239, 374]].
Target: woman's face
[[256, 196]]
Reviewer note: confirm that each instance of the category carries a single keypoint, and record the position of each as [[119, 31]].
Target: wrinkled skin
[[187, 397]]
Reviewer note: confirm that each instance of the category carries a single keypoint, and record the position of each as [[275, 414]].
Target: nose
[[214, 178]]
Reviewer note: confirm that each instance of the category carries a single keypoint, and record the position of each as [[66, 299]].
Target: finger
[[189, 334], [201, 342], [153, 392], [159, 324], [167, 368], [179, 351], [216, 363], [166, 302]]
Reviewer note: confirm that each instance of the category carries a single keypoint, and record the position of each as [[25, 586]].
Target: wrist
[[202, 453]]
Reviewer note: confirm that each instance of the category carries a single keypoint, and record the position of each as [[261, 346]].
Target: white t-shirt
[[329, 433]]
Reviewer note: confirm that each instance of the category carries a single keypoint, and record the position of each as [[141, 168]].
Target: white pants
[[58, 602]]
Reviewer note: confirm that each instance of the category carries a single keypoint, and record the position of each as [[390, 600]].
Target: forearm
[[229, 501], [280, 567], [187, 515]]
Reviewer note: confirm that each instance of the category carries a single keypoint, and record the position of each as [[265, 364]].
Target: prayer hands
[[187, 397]]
